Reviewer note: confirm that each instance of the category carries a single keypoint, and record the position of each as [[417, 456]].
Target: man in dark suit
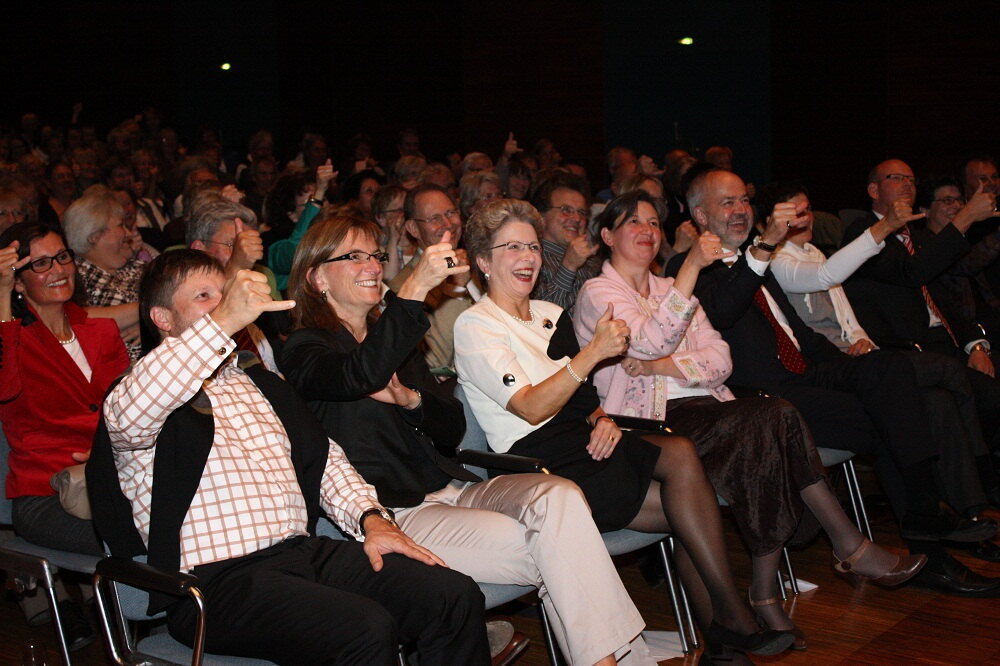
[[867, 404], [895, 296]]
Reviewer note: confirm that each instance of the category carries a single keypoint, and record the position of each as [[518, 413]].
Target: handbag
[[71, 486]]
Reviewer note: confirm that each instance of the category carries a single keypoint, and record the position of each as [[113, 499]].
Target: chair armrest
[[144, 576], [747, 391], [905, 345], [502, 462], [636, 423]]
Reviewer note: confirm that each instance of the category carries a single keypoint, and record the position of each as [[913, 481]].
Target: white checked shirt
[[248, 497]]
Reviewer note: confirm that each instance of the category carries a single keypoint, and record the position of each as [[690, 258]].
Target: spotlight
[[686, 41], [225, 66]]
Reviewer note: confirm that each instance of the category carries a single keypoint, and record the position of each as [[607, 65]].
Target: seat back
[[6, 505], [475, 436]]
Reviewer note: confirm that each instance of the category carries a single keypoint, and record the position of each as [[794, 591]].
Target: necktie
[[904, 234], [788, 353], [244, 342]]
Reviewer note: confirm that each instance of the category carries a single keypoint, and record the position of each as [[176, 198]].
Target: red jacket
[[48, 409]]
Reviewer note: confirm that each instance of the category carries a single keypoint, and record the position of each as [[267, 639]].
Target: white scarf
[[850, 329]]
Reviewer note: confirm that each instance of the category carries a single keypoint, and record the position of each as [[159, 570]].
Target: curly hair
[[481, 229]]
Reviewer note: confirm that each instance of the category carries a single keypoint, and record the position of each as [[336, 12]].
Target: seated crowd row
[[232, 419]]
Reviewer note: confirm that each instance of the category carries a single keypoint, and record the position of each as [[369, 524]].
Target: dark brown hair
[[311, 308], [160, 280]]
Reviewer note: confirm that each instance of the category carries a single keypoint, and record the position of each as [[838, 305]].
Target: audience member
[[336, 600], [289, 209], [476, 189], [525, 378]]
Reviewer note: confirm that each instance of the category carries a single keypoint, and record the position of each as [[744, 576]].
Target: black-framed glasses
[[440, 218], [360, 257], [43, 264], [951, 201], [901, 178], [569, 211], [517, 246]]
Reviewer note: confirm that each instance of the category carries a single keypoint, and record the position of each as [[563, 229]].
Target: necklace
[[71, 340], [527, 322]]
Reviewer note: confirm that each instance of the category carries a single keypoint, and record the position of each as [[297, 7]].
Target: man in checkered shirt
[[242, 471]]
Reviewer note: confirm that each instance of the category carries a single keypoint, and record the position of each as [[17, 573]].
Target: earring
[[486, 275], [323, 293]]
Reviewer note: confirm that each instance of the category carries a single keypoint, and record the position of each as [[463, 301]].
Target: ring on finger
[[449, 262], [627, 339]]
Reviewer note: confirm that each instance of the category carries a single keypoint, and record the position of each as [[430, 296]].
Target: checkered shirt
[[248, 497], [103, 288]]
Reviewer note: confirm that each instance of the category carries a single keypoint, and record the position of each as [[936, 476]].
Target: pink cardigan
[[664, 324]]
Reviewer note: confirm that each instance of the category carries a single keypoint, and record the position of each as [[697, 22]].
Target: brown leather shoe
[[906, 567], [800, 638], [506, 644]]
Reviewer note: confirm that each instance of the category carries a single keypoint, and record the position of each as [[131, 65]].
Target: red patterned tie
[[244, 342], [788, 353], [904, 235]]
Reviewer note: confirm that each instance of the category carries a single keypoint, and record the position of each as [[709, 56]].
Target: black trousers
[[313, 600], [866, 404]]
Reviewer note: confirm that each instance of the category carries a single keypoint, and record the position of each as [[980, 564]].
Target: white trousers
[[534, 529]]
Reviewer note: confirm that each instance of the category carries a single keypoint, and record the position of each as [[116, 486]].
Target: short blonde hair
[[481, 229]]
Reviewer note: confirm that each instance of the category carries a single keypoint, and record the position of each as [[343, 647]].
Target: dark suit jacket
[[886, 291], [726, 294], [398, 451]]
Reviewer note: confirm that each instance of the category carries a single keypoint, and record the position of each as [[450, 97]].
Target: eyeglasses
[[517, 246], [43, 264], [392, 211], [569, 211], [440, 218], [900, 178], [228, 244], [950, 201], [359, 257]]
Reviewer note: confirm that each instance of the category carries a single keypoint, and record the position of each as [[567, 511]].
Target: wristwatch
[[767, 247], [981, 346], [386, 514]]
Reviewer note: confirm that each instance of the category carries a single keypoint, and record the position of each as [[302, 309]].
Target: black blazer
[[886, 295], [726, 294], [182, 449], [398, 451]]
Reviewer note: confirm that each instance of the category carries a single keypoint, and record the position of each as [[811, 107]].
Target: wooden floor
[[845, 623]]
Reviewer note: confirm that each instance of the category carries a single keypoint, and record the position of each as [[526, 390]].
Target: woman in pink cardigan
[[757, 451]]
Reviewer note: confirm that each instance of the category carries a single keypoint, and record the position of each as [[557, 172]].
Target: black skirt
[[615, 488]]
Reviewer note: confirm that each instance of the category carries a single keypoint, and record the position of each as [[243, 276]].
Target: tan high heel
[[800, 637], [906, 567]]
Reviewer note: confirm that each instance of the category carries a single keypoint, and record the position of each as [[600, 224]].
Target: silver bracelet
[[572, 373]]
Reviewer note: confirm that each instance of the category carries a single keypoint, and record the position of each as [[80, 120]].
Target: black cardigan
[[182, 449], [398, 451]]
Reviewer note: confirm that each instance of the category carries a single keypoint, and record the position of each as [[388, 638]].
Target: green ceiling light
[[686, 41]]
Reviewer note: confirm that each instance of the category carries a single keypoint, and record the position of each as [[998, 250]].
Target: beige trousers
[[533, 529]]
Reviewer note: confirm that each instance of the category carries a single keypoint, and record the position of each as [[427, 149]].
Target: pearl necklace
[[527, 322], [71, 340]]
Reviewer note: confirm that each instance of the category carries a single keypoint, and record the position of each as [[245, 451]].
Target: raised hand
[[232, 193], [611, 336], [245, 296], [432, 269], [981, 206], [579, 250], [685, 236], [324, 174], [901, 214], [248, 248], [510, 147], [706, 250], [8, 264]]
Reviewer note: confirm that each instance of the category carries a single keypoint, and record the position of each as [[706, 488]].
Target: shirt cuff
[[871, 239], [208, 341], [353, 526], [756, 265]]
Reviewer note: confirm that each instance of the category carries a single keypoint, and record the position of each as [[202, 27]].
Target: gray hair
[[209, 210], [409, 167], [87, 217], [468, 159], [470, 185]]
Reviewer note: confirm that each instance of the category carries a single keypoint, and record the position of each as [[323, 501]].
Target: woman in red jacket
[[55, 365]]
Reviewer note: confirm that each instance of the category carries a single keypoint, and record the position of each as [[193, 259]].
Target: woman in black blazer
[[362, 372]]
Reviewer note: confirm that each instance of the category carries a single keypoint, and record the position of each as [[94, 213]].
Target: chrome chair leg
[[550, 640], [792, 581], [862, 520], [668, 569]]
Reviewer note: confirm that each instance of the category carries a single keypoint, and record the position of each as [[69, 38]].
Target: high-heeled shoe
[[906, 567], [762, 643], [800, 638]]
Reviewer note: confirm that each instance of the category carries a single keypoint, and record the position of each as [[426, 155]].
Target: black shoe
[[75, 627], [984, 550], [946, 574], [946, 527], [762, 643]]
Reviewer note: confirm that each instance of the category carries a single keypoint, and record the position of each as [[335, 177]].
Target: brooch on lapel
[[508, 379], [546, 323]]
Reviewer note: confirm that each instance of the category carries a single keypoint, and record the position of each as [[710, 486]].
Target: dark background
[[819, 91]]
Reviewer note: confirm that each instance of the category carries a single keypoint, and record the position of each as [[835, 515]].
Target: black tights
[[681, 500]]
